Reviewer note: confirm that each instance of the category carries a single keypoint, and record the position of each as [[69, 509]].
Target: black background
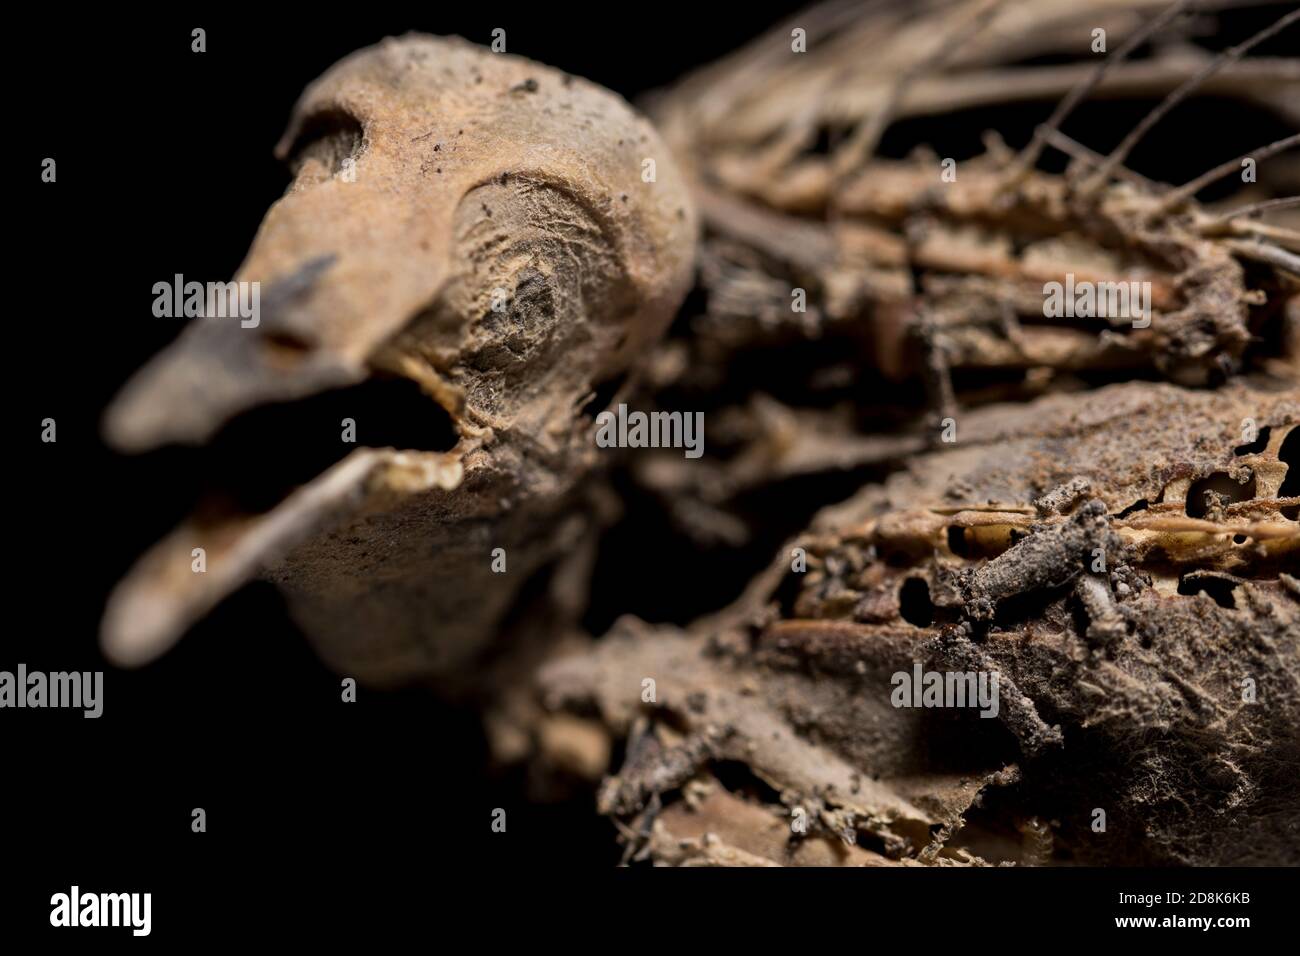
[[165, 166]]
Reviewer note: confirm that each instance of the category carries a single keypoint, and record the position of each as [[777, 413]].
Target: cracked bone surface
[[478, 224]]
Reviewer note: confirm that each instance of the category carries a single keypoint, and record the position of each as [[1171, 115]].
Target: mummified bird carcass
[[1091, 506]]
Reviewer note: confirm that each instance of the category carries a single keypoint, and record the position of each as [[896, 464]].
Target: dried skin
[[797, 688]]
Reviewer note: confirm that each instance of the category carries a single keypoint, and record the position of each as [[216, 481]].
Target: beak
[[331, 275], [163, 596], [334, 271]]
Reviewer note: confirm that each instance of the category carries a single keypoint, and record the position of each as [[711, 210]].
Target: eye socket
[[328, 137]]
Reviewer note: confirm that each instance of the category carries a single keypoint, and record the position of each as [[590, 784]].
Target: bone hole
[[1219, 589], [1256, 446], [330, 136], [914, 602], [735, 777], [1140, 505], [1221, 484], [957, 541], [1290, 453]]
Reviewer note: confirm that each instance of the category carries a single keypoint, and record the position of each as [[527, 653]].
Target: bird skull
[[504, 235]]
